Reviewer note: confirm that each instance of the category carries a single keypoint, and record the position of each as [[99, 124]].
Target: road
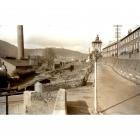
[[116, 95]]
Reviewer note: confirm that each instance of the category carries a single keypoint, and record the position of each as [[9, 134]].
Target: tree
[[50, 57]]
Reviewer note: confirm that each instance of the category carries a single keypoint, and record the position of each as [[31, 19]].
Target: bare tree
[[50, 57]]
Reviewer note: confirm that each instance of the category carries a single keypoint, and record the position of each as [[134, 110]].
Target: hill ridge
[[10, 50]]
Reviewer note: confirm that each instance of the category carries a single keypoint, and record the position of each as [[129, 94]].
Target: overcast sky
[[71, 24]]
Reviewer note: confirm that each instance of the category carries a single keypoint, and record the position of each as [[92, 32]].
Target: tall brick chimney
[[20, 41]]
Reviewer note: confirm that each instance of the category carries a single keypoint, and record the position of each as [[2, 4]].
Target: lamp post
[[96, 45]]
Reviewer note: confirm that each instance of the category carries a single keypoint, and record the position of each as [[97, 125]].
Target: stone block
[[60, 104]]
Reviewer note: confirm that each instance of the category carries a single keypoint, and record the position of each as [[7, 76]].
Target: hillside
[[7, 49], [58, 51], [68, 53]]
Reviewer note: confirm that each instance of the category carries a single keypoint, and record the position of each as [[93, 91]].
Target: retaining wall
[[128, 68]]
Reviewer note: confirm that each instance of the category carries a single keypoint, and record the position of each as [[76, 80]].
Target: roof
[[110, 45], [130, 33], [17, 62], [122, 38]]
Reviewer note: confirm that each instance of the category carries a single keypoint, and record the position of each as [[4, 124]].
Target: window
[[129, 48], [137, 34], [129, 39], [134, 46], [134, 35]]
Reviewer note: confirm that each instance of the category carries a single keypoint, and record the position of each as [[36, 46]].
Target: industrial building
[[19, 64], [15, 65]]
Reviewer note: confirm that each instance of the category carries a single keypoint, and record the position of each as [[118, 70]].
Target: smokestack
[[20, 41]]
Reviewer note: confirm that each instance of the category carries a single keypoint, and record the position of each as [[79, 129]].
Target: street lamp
[[96, 45]]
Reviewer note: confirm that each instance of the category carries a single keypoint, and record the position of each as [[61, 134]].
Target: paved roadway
[[116, 95]]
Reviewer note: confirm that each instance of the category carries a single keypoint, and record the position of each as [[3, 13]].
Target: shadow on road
[[77, 108], [89, 84], [102, 111]]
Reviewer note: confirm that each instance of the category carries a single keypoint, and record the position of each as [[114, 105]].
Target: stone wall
[[16, 105], [128, 68], [36, 103]]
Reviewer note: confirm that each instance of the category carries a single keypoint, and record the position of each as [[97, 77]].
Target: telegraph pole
[[117, 36]]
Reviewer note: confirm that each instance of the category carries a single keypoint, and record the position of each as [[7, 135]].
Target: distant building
[[35, 60], [58, 64]]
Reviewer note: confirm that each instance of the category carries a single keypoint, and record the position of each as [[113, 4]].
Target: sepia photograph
[[41, 76], [69, 69], [74, 62]]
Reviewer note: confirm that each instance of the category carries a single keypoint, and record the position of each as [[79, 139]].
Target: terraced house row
[[128, 46]]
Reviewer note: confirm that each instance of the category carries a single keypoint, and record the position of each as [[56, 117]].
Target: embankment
[[128, 68]]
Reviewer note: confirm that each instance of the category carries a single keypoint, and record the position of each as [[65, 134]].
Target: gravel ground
[[43, 105]]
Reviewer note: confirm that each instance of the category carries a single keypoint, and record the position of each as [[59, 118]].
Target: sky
[[70, 24]]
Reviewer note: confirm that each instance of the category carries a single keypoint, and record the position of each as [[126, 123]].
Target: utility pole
[[117, 36]]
